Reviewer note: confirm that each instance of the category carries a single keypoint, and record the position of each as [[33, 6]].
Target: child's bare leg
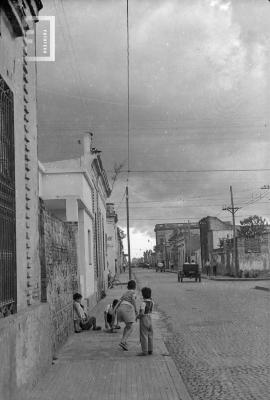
[[127, 332], [77, 327]]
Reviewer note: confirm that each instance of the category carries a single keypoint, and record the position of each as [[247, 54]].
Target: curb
[[236, 279], [262, 288], [227, 279]]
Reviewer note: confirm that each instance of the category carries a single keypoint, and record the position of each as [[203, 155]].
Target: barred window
[[8, 287]]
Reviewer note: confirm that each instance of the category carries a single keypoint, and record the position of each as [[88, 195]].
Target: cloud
[[199, 98]]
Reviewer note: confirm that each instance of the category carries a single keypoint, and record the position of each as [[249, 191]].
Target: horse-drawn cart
[[189, 270]]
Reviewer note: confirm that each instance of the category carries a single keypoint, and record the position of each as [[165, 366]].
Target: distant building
[[177, 249], [165, 241], [212, 232], [76, 190], [115, 249], [112, 239]]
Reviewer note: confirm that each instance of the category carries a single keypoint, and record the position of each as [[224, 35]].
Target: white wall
[[112, 245], [89, 258], [217, 235], [61, 185], [87, 194], [86, 269]]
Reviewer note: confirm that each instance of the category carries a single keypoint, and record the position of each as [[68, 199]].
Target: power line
[[180, 219], [194, 198], [186, 206], [191, 171]]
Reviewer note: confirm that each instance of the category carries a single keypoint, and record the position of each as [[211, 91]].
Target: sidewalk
[[91, 366]]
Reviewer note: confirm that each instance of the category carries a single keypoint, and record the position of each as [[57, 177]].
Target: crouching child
[[110, 316]]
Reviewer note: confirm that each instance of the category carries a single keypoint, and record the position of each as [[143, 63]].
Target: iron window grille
[[8, 285]]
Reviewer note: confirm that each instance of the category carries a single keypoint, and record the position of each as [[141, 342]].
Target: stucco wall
[[61, 185], [112, 245], [222, 234], [247, 261], [86, 265], [25, 349], [252, 260]]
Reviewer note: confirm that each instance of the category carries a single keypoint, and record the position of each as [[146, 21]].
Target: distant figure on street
[[207, 267], [110, 316], [163, 266], [81, 320], [110, 278], [214, 267], [127, 312], [124, 268], [146, 327]]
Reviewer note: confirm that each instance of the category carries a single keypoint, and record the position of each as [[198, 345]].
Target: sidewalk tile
[[91, 366]]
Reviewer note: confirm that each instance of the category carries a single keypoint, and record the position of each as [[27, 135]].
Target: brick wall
[[59, 271]]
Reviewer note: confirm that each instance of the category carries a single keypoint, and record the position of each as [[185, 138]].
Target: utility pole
[[189, 243], [233, 210], [128, 149], [128, 237]]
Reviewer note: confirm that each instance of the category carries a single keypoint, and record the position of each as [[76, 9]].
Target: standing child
[[146, 327]]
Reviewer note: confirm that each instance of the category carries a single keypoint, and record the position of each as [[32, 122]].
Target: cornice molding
[[15, 12]]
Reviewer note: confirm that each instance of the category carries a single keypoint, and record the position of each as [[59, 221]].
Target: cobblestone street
[[217, 334]]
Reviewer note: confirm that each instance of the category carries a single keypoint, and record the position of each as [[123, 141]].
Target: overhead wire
[[129, 171]]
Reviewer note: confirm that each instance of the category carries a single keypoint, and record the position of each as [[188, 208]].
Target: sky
[[199, 104]]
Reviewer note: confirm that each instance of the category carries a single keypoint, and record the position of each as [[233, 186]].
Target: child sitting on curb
[[81, 320]]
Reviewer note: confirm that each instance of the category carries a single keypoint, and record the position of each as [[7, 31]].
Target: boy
[[126, 312], [146, 328], [81, 320], [109, 316]]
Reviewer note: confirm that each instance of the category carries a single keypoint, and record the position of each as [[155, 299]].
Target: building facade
[[115, 236], [76, 190], [25, 344], [212, 232], [165, 241]]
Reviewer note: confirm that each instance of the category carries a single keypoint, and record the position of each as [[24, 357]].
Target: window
[[8, 285]]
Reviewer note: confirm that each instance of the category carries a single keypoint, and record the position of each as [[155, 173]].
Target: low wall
[[259, 260], [247, 259], [25, 348]]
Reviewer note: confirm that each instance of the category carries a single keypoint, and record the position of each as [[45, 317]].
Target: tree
[[117, 168], [253, 226]]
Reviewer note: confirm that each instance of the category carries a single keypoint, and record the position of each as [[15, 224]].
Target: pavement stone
[[217, 334], [92, 366]]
